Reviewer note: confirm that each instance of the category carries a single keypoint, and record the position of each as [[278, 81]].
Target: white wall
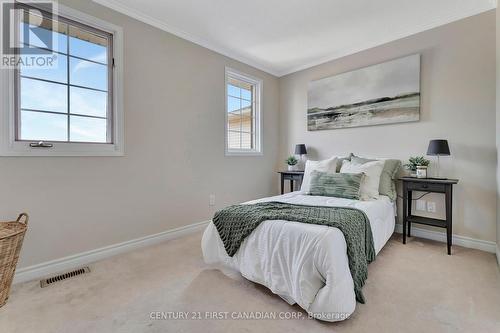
[[457, 103], [174, 154]]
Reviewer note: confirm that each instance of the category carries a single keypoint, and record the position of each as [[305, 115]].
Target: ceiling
[[284, 36]]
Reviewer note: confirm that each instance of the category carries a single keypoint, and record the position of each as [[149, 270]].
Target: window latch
[[41, 144]]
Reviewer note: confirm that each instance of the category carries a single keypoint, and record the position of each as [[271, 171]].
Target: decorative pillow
[[371, 181], [387, 179], [340, 185], [340, 160], [329, 165]]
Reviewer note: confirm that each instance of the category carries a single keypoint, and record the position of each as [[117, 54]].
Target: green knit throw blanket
[[235, 223]]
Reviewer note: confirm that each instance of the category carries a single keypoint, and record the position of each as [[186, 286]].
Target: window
[[243, 118], [71, 108]]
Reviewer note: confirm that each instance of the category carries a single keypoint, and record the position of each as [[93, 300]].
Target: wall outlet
[[211, 200], [431, 206], [420, 205]]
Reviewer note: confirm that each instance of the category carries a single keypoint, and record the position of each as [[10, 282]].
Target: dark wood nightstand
[[445, 186], [292, 176]]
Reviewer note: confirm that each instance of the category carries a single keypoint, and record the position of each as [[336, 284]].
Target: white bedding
[[303, 263]]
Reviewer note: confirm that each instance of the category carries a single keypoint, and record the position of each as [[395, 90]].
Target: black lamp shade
[[438, 147], [300, 149]]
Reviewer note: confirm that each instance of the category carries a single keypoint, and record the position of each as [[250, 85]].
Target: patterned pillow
[[328, 165], [340, 185]]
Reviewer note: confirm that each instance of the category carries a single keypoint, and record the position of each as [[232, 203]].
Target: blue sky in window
[[239, 92], [233, 90], [46, 126], [84, 73], [87, 50], [57, 73], [233, 104], [59, 39], [84, 129], [48, 96], [242, 98], [88, 102], [43, 126], [88, 74], [246, 94], [43, 96]]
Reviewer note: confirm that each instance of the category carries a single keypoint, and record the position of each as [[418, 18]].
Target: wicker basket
[[11, 240]]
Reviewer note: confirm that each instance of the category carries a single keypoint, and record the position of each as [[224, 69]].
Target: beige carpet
[[411, 288]]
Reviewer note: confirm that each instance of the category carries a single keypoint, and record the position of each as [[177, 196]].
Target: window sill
[[243, 153], [62, 149]]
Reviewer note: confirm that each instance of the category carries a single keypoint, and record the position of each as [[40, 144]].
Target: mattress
[[303, 263]]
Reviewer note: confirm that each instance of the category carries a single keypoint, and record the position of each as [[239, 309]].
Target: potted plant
[[417, 166], [292, 161]]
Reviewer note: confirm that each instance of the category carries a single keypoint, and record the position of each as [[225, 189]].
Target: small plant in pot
[[292, 161], [417, 166]]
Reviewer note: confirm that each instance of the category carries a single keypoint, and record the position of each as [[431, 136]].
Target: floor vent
[[46, 282]]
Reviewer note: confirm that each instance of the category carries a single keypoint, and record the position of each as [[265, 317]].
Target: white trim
[[234, 54], [10, 147], [456, 239], [258, 83], [67, 263], [115, 5]]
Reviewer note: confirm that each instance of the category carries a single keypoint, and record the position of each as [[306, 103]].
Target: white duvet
[[303, 263]]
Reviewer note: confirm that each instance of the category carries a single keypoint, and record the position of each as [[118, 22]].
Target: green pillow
[[340, 160], [387, 178], [340, 185]]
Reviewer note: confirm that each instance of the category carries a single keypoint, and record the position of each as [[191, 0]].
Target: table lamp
[[438, 148], [301, 150]]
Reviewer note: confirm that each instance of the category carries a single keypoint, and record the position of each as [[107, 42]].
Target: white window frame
[[257, 151], [8, 144]]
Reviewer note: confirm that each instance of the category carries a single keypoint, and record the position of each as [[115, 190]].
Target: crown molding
[[126, 10], [402, 33], [453, 17]]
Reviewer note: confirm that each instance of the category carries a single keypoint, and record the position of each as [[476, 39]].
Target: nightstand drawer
[[294, 177], [426, 187]]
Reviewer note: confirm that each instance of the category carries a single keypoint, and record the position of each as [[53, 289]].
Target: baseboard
[[67, 263], [456, 239]]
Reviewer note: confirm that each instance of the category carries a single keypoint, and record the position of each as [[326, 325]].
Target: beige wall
[[458, 104], [174, 154], [174, 139]]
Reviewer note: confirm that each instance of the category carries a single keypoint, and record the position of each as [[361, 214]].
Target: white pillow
[[329, 165], [371, 180]]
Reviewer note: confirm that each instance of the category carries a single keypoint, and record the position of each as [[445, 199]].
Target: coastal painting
[[386, 93]]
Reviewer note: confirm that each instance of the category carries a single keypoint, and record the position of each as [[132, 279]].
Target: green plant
[[291, 160], [414, 162]]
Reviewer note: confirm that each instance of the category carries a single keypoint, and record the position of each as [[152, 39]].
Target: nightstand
[[445, 186], [292, 176]]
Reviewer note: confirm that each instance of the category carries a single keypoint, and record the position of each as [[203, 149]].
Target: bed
[[303, 263]]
